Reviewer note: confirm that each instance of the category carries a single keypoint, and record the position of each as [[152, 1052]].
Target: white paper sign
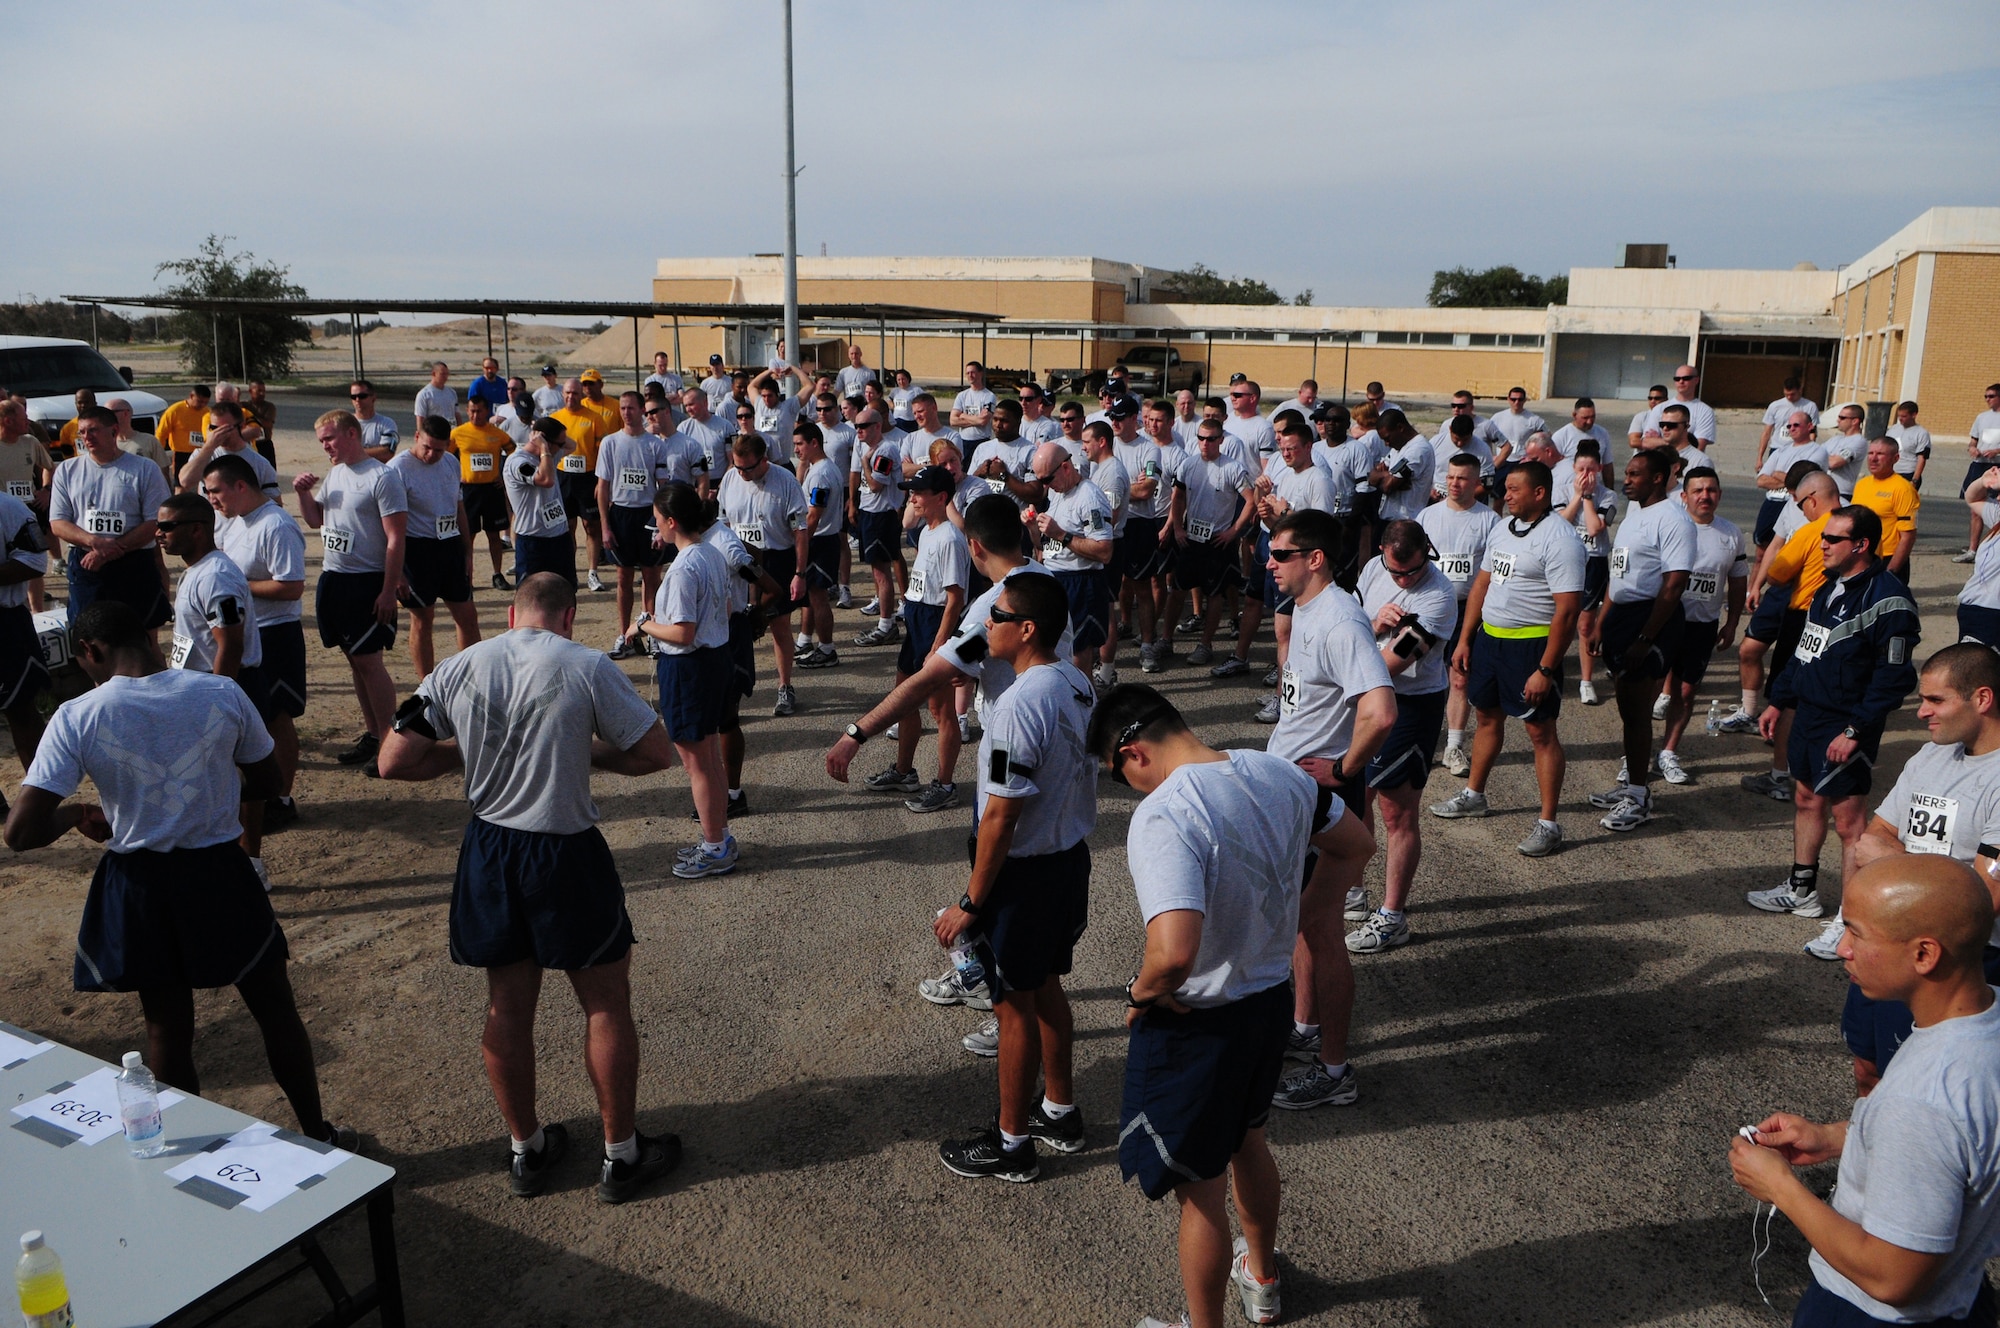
[[86, 1111], [257, 1166], [17, 1045]]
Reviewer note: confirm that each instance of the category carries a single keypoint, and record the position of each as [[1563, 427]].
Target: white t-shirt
[[1652, 542], [854, 379], [1565, 439], [775, 424], [1982, 587], [1213, 491], [381, 432], [943, 560], [106, 500], [355, 499], [430, 492], [1606, 503], [1448, 447], [213, 593], [162, 751], [267, 545], [970, 402], [1143, 459], [1855, 448], [1432, 600], [1779, 413], [1043, 429], [1351, 463], [825, 487], [1460, 541], [917, 447], [439, 401], [1701, 419], [1227, 839], [765, 513], [838, 440], [711, 439], [1115, 482], [1911, 443], [1515, 426], [1013, 459], [967, 651], [631, 464], [1311, 488], [1527, 570], [20, 542], [1781, 458], [1332, 661], [549, 399], [1033, 748], [1719, 558], [1084, 512], [1986, 419], [739, 560], [1254, 433], [1416, 459], [885, 462], [695, 588], [1921, 1166], [538, 513], [524, 707]]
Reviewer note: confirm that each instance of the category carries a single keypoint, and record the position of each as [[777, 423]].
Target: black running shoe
[[278, 814], [531, 1170], [983, 1155], [1065, 1135], [363, 750], [737, 806], [619, 1181]]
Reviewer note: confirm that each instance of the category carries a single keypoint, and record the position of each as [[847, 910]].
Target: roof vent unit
[[1643, 255]]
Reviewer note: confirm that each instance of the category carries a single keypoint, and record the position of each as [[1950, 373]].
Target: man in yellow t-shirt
[[577, 471], [65, 445], [180, 422], [604, 408], [1892, 498], [1802, 563], [480, 445]]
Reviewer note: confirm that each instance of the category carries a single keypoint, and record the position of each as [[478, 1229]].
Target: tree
[[266, 339], [1505, 287], [1202, 284]]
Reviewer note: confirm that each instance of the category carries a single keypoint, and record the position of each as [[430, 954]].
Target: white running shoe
[[1660, 704], [595, 582], [1670, 768], [1630, 813], [846, 599], [1357, 904], [1826, 944], [948, 988], [1738, 721], [1773, 784], [1457, 761], [983, 1041], [1463, 803], [1611, 797], [1586, 691], [1783, 899], [871, 608], [1259, 1299], [1105, 676], [1270, 710], [1377, 934]]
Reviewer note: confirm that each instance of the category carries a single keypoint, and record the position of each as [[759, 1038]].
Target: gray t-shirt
[[538, 513], [1416, 460], [1213, 490], [213, 594], [163, 752], [1436, 607], [1528, 570], [20, 542], [1947, 802], [631, 463], [1302, 489], [106, 500], [885, 462], [1921, 1167], [826, 489], [355, 499], [379, 431], [966, 651], [1460, 541], [1333, 660], [1227, 839], [1701, 418], [431, 492], [764, 513], [1033, 748], [695, 589], [737, 558], [267, 545], [1912, 444], [524, 707], [1085, 512], [711, 438], [943, 560], [1652, 542], [1719, 558], [970, 402]]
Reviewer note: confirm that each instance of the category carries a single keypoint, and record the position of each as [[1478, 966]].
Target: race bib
[[1811, 642], [1051, 548], [997, 487], [1288, 691], [572, 464], [752, 535], [447, 525], [1620, 560], [182, 645], [1201, 532], [917, 584], [99, 521], [1927, 827], [1503, 567], [481, 462], [1704, 586], [336, 541], [555, 514], [1456, 567], [20, 489], [632, 481]]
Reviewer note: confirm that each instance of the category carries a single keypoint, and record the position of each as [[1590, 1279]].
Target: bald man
[[1916, 1214]]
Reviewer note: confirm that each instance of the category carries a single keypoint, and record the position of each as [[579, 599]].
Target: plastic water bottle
[[966, 960], [1714, 716], [38, 1279], [139, 1107]]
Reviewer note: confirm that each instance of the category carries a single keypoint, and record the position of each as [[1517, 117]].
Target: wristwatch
[[854, 731], [1549, 673], [965, 905], [1850, 733], [1131, 1004], [1064, 537]]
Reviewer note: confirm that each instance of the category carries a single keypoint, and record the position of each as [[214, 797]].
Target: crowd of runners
[[1423, 591]]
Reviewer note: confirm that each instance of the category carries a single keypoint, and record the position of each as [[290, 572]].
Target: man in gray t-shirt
[[527, 715], [1916, 1212]]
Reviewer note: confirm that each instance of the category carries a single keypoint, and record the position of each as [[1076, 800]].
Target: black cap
[[715, 359], [549, 369], [1320, 412], [1239, 378], [931, 479], [1121, 408]]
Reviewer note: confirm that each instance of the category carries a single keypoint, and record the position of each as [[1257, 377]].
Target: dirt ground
[[1550, 1074]]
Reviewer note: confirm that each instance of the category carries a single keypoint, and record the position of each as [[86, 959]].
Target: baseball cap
[[931, 479], [590, 376], [1121, 408], [715, 359], [549, 369], [1321, 411], [1239, 378]]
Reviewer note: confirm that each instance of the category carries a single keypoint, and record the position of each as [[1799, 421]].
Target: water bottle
[[965, 959], [38, 1279], [139, 1107], [1714, 716]]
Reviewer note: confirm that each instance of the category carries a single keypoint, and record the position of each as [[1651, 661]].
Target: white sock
[[1392, 914], [1012, 1141], [884, 623], [625, 1152], [1304, 1030], [1055, 1111], [286, 800], [532, 1144], [1455, 738], [1749, 703], [735, 793], [711, 849], [1334, 1071], [1550, 824]]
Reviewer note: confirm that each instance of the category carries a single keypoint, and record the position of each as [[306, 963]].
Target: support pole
[[679, 367], [215, 327], [243, 350], [1346, 354], [93, 329], [882, 355], [506, 349], [489, 336], [638, 373], [791, 208], [1031, 354], [360, 359], [1315, 372], [354, 342]]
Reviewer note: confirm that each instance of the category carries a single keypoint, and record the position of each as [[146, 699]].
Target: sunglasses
[[1129, 735], [1040, 478], [1669, 426], [359, 396], [1239, 394], [1400, 572], [1836, 539], [1285, 555], [171, 525], [1000, 615], [1683, 378]]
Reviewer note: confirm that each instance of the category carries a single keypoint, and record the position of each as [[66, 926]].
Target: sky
[[399, 148]]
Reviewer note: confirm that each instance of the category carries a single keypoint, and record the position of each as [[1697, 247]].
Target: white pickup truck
[[49, 370]]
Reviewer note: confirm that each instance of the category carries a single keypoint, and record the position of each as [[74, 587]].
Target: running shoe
[[845, 600], [1149, 659], [1611, 797], [1314, 1087], [879, 635], [1463, 803], [1787, 898], [1356, 909], [1379, 933], [872, 608], [788, 703], [1826, 944], [1126, 631], [704, 863], [1105, 676], [1062, 1133], [1272, 675], [594, 581], [1739, 721], [983, 1041], [1457, 761], [528, 1173], [948, 988], [984, 1155], [1542, 840], [819, 657], [1773, 784], [1259, 1299], [1965, 556], [1302, 1046], [936, 797], [1200, 655], [964, 728], [1229, 668], [1660, 704], [362, 752], [501, 583], [620, 648], [1269, 710], [619, 1181], [279, 813], [1586, 691], [1163, 650], [1191, 623], [1670, 768], [1628, 814], [893, 780]]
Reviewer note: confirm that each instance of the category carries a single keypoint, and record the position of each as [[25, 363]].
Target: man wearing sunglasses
[[1780, 412], [1076, 533], [1855, 663], [1800, 445], [1297, 484], [1513, 424], [1635, 433], [380, 436], [1984, 448], [1214, 500], [1027, 900], [1247, 427], [1701, 419], [1847, 452], [1519, 618]]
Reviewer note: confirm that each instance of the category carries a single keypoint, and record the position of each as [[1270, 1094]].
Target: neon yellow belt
[[1514, 633]]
